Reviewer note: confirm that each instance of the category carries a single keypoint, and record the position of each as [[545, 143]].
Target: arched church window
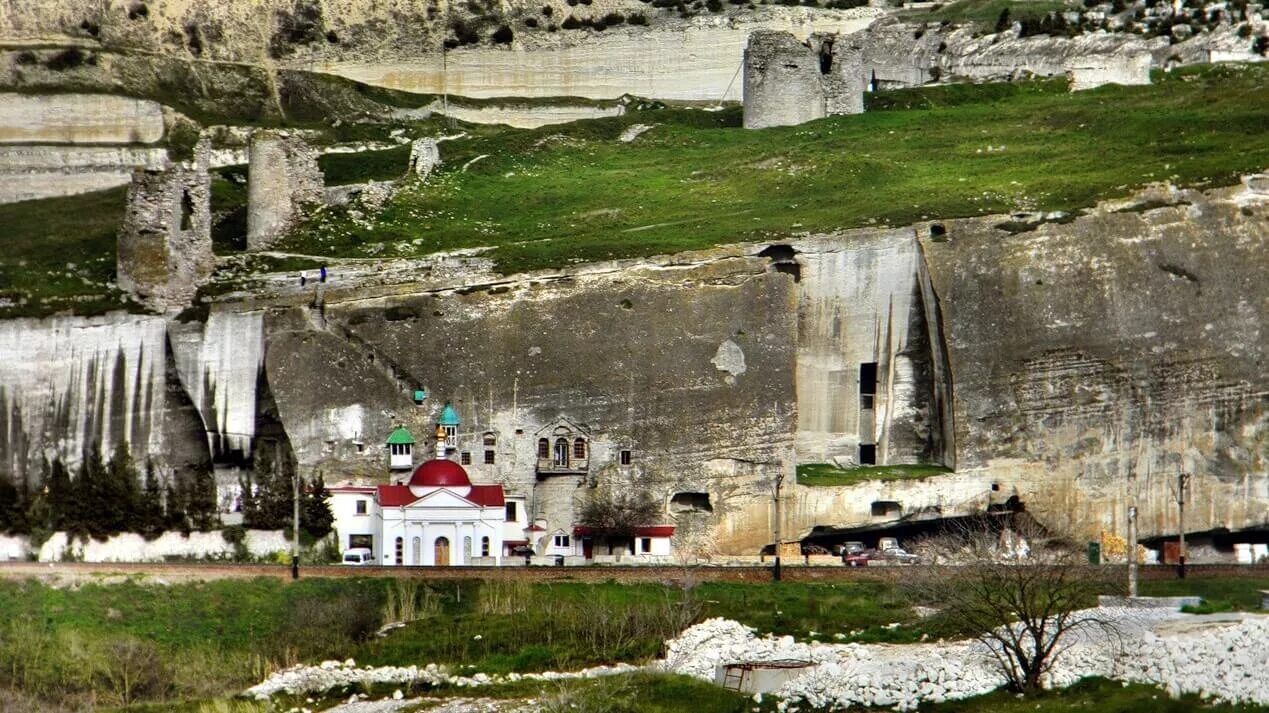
[[491, 439], [484, 547], [544, 448]]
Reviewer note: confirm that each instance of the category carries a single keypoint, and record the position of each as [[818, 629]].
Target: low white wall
[[130, 547], [13, 547]]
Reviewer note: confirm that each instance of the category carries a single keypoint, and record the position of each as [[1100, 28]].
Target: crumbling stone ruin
[[424, 156], [283, 180], [164, 246], [1089, 71], [788, 82]]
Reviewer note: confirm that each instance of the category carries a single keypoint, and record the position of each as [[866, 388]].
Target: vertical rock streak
[[66, 382], [220, 368]]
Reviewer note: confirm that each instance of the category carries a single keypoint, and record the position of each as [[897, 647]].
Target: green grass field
[[558, 195], [208, 640], [825, 474]]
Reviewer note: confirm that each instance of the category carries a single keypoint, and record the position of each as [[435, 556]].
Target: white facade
[[442, 528], [353, 508]]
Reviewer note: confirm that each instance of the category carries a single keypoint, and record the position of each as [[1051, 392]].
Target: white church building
[[436, 517], [433, 515]]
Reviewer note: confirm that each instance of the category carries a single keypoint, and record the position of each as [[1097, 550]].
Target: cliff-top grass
[[557, 195], [573, 193]]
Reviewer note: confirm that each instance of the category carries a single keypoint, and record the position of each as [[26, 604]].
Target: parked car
[[808, 549], [848, 548], [859, 559], [898, 555], [358, 556]]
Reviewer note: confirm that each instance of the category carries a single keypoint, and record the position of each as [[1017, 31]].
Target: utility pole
[[295, 526], [779, 481], [1132, 551], [1182, 481]]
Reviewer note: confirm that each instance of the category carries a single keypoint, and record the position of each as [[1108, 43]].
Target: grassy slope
[[218, 637], [556, 195], [824, 474], [59, 254], [983, 14]]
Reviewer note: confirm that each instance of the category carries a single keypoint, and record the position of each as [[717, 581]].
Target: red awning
[[653, 531]]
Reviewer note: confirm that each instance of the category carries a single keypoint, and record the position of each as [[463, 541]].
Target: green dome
[[401, 437], [449, 417]]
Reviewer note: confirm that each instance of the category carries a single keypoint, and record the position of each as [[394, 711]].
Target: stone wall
[[1091, 71], [164, 246], [283, 180], [782, 81], [787, 82]]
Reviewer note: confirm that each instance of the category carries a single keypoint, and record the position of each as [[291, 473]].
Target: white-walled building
[[438, 517]]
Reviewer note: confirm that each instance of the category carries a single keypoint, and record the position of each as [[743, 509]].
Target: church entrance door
[[442, 552]]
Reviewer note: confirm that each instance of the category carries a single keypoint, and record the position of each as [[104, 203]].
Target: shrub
[[530, 22], [571, 23], [615, 18], [503, 36], [137, 11], [717, 5], [637, 19], [1261, 45], [547, 10]]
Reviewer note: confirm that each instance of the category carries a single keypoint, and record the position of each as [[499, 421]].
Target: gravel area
[[1223, 657]]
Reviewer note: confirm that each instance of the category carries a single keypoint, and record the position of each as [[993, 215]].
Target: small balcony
[[565, 466]]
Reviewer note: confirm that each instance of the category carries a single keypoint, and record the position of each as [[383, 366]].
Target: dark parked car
[[848, 548], [898, 555], [859, 559]]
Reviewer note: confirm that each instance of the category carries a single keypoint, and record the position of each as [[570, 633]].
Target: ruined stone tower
[[164, 246], [788, 82], [283, 180]]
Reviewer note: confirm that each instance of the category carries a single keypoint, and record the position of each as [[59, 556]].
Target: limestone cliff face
[[1106, 355], [1076, 366]]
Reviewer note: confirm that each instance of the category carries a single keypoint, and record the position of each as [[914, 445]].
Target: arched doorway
[[441, 558]]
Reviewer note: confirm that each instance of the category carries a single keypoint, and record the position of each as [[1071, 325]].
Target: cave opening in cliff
[[690, 502], [783, 260], [919, 525]]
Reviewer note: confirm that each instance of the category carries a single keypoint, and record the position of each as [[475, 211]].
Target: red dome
[[439, 473]]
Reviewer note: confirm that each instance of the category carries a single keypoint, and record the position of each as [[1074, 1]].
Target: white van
[[359, 556]]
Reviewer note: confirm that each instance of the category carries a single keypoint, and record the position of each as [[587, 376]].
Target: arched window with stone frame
[[561, 451], [544, 448]]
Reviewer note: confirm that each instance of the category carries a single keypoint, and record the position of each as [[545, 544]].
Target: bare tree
[[1018, 592], [614, 514]]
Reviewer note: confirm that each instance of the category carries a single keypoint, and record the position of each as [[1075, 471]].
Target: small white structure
[[400, 449]]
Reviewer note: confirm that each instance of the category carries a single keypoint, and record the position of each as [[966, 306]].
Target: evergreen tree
[[87, 514], [120, 497], [202, 501], [61, 497], [10, 506], [150, 511], [250, 511], [174, 507], [315, 515]]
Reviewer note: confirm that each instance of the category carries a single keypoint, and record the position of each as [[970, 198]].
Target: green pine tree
[[315, 515], [202, 501], [174, 517], [9, 505], [150, 511], [120, 496], [1003, 22], [61, 497]]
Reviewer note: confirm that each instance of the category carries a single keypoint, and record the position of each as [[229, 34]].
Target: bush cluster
[[106, 498]]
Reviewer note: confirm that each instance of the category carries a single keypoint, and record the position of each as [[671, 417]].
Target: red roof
[[654, 531], [535, 528], [486, 495], [440, 472], [394, 495]]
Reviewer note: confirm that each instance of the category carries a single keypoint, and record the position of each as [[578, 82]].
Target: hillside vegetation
[[557, 195]]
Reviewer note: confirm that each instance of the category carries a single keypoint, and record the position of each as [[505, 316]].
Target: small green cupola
[[400, 449], [447, 425]]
